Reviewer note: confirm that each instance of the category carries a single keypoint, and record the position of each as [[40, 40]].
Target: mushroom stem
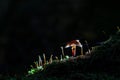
[[50, 60], [56, 58], [81, 50], [62, 51], [73, 50], [44, 58], [47, 62], [61, 58], [89, 51], [36, 64], [40, 61]]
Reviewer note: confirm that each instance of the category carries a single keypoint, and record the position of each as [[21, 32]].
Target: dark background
[[32, 27]]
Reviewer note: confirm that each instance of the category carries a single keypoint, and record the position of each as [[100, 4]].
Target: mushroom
[[36, 64], [40, 61], [56, 58], [47, 62], [61, 58], [73, 44], [62, 51], [44, 59], [50, 60]]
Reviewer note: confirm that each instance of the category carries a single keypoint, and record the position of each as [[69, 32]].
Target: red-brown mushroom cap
[[73, 43]]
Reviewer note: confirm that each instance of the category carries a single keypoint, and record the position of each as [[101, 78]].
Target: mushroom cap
[[73, 43]]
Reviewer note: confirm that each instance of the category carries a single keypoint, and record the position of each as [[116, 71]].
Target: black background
[[32, 27]]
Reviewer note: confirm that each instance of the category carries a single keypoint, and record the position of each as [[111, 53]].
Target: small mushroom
[[62, 51], [73, 45], [40, 61], [47, 62], [56, 58], [61, 58], [44, 58], [51, 59], [36, 64]]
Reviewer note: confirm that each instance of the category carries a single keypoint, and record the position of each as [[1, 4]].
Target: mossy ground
[[103, 65]]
